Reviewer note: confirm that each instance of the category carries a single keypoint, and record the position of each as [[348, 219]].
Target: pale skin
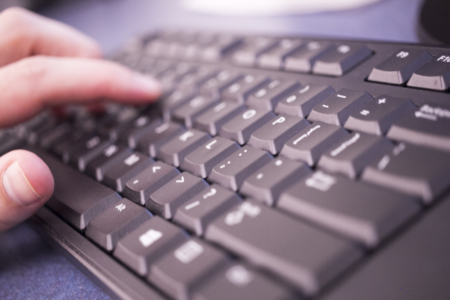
[[43, 64]]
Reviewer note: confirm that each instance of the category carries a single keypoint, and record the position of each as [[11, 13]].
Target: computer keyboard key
[[9, 142], [232, 171], [274, 134], [270, 181], [241, 127], [86, 151], [118, 175], [434, 75], [195, 79], [238, 281], [174, 151], [180, 271], [212, 119], [222, 45], [399, 68], [274, 57], [301, 254], [337, 108], [110, 157], [427, 126], [240, 89], [148, 243], [358, 210], [51, 136], [64, 145], [304, 58], [77, 198], [312, 142], [377, 116], [174, 100], [351, 154], [166, 200], [113, 124], [152, 141], [248, 52], [141, 186], [187, 113], [340, 58], [115, 223], [268, 95], [197, 213], [414, 170], [215, 84], [201, 161], [131, 135], [302, 100]]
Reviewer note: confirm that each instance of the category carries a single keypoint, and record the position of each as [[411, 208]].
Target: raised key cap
[[214, 85], [188, 112], [413, 170], [148, 243], [434, 75], [250, 49], [267, 183], [201, 210], [398, 68], [166, 200], [361, 211], [427, 126], [377, 116], [243, 125], [152, 141], [274, 58], [86, 152], [201, 161], [141, 186], [312, 142], [174, 100], [303, 59], [213, 118], [239, 90], [337, 108], [110, 157], [132, 133], [268, 95], [232, 171], [115, 223], [274, 134], [303, 255]]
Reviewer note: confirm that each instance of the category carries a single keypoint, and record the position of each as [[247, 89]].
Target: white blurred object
[[270, 7]]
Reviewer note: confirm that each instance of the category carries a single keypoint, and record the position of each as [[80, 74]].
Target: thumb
[[26, 183]]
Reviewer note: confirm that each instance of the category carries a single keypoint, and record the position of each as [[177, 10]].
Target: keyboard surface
[[272, 167]]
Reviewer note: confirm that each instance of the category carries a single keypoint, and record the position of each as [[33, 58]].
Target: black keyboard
[[271, 168]]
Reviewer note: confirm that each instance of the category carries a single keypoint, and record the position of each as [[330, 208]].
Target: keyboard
[[271, 168]]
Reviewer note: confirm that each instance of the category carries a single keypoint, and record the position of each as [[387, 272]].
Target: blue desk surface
[[28, 267]]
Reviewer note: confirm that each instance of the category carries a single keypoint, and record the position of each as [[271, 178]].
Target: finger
[[33, 83], [26, 184], [25, 33]]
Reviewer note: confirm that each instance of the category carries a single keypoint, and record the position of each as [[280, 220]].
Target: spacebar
[[416, 266]]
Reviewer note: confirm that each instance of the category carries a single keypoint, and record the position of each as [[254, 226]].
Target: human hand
[[44, 63]]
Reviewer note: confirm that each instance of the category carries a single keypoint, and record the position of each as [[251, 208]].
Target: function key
[[340, 58], [435, 75], [251, 48], [398, 68], [303, 59], [274, 57]]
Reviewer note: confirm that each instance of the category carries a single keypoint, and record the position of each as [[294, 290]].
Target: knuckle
[[13, 16], [32, 69]]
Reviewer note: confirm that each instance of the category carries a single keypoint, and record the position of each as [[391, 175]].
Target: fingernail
[[17, 186], [146, 84]]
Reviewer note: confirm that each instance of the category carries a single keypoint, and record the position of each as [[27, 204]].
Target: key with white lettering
[[358, 210], [274, 134], [198, 77], [232, 171], [337, 108], [239, 90], [243, 125], [141, 186], [312, 142], [110, 157], [398, 68], [166, 200], [118, 175], [377, 116], [135, 130], [115, 223], [427, 125], [351, 154], [197, 213], [274, 58], [434, 75], [268, 95], [241, 282], [213, 118], [414, 170], [174, 151], [304, 58], [180, 271], [151, 142], [87, 151], [214, 85], [301, 254], [201, 161], [174, 100], [270, 181], [301, 101], [112, 124], [148, 243], [188, 112], [249, 51]]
